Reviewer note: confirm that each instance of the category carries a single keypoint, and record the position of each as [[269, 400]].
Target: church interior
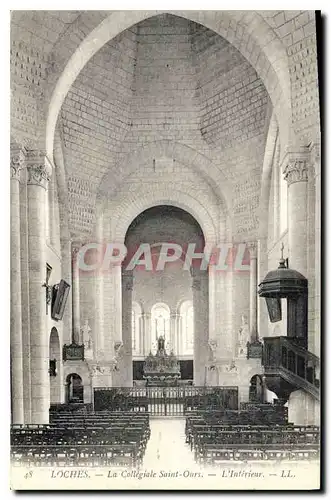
[[139, 129]]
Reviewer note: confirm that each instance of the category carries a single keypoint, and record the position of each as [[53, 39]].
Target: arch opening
[[74, 388], [159, 289], [256, 390], [118, 22]]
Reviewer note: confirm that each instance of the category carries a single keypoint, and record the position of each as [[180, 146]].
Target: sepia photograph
[[165, 250]]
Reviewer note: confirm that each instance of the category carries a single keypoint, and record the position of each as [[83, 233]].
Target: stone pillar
[[16, 341], [141, 347], [180, 340], [127, 285], [223, 321], [148, 333], [98, 334], [316, 160], [252, 246], [66, 269], [296, 175], [173, 333], [38, 171], [25, 303], [75, 247], [51, 213], [201, 329], [276, 186]]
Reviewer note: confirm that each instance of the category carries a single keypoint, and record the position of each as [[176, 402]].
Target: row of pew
[[215, 437], [91, 439]]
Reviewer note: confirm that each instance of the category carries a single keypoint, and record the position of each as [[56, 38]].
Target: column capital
[[39, 169], [295, 166], [17, 163], [252, 247], [75, 247]]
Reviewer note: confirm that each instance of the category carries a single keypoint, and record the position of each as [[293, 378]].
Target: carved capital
[[39, 169], [102, 369], [295, 166], [252, 247], [75, 247], [16, 164]]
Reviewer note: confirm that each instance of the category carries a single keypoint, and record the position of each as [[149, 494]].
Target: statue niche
[[243, 337], [87, 340]]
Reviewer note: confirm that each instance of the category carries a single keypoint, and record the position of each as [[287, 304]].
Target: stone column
[[296, 175], [16, 341], [316, 160], [39, 171], [127, 285], [75, 247], [201, 329], [276, 186], [252, 246], [148, 333], [98, 334], [51, 213], [173, 333], [25, 302], [141, 349], [66, 269], [180, 340]]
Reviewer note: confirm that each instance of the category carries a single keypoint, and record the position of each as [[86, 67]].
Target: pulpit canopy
[[285, 283]]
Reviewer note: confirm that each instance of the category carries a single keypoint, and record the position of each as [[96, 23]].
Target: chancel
[[163, 164], [162, 368]]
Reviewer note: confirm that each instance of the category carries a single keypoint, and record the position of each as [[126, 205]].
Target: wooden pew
[[105, 439]]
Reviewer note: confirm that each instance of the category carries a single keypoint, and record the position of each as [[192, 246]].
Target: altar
[[161, 369]]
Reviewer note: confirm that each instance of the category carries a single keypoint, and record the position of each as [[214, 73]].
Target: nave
[[205, 438], [167, 448]]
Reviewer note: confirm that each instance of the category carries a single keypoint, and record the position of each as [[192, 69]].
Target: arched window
[[187, 328], [136, 320], [160, 317]]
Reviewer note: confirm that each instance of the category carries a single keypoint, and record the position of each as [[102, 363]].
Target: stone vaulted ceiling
[[166, 78], [163, 79]]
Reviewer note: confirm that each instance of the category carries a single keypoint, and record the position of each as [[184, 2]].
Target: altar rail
[[165, 401]]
